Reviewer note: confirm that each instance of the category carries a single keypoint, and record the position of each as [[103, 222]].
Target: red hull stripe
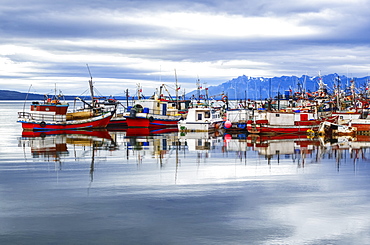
[[101, 123], [146, 123]]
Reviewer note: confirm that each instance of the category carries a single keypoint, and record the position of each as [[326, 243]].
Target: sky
[[51, 45]]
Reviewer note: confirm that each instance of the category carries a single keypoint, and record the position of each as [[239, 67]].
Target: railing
[[41, 117]]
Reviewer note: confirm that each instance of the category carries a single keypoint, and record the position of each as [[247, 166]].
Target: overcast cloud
[[48, 43]]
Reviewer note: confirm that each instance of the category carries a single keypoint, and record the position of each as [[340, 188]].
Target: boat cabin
[[154, 107], [50, 106], [202, 115]]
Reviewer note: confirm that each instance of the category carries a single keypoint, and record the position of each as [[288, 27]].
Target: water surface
[[179, 189]]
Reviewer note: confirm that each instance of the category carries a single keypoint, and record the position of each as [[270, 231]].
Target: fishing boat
[[158, 111], [52, 114], [201, 119], [358, 119], [152, 113], [272, 122]]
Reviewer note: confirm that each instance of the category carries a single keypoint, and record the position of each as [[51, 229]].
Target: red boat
[[152, 113], [284, 122], [52, 115]]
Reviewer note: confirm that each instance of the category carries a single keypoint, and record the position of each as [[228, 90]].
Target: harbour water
[[124, 187]]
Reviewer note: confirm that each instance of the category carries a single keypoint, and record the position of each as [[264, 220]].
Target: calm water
[[118, 188]]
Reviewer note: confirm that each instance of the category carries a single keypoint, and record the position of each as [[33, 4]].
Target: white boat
[[236, 120], [201, 119]]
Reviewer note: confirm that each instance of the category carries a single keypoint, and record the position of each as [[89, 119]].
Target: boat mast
[[198, 88], [338, 92], [91, 87], [177, 91], [139, 91], [126, 98]]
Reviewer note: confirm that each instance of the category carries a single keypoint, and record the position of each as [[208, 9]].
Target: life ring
[[151, 119], [42, 124]]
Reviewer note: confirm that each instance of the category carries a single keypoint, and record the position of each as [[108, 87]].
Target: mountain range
[[243, 87]]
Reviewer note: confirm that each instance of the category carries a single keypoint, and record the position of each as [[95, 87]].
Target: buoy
[[228, 124]]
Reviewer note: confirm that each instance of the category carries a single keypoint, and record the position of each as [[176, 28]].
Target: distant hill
[[13, 95], [262, 88]]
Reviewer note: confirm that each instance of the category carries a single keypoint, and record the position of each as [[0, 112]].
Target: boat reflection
[[165, 143], [345, 147], [143, 131], [170, 146], [59, 145], [298, 147]]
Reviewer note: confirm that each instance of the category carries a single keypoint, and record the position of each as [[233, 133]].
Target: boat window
[[277, 115], [207, 114], [199, 116]]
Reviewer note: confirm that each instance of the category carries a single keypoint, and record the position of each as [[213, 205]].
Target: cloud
[[129, 42]]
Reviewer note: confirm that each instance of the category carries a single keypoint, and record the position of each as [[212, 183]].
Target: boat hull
[[95, 122], [151, 121], [199, 126], [264, 127]]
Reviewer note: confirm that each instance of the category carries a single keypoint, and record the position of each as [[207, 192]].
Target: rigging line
[[24, 105]]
